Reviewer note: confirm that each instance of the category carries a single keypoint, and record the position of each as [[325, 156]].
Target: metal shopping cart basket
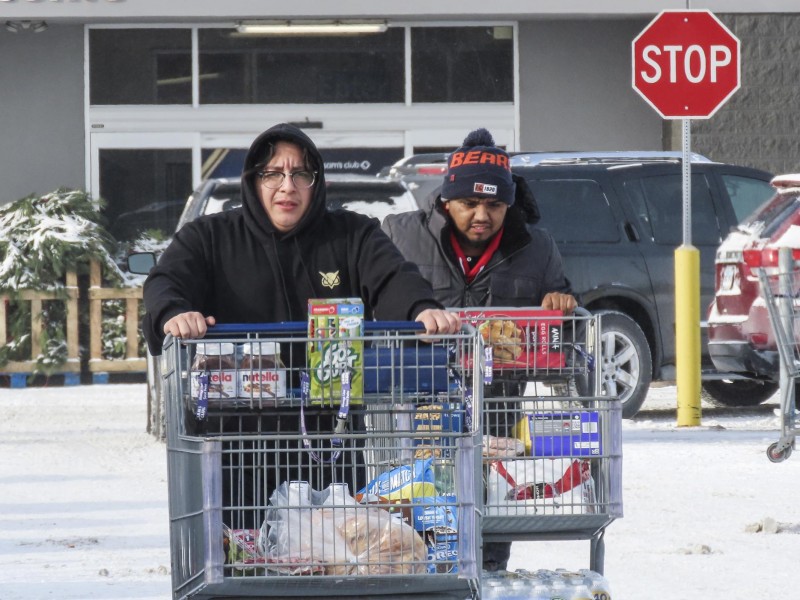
[[781, 291], [552, 463], [280, 487]]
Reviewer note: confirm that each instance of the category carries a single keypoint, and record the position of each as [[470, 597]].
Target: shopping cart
[[552, 462], [280, 488], [781, 290]]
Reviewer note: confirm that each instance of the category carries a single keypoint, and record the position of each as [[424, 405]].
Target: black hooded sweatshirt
[[236, 267]]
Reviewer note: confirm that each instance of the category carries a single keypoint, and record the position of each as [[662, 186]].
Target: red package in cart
[[520, 338]]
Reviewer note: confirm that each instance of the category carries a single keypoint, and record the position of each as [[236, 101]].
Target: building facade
[[138, 100]]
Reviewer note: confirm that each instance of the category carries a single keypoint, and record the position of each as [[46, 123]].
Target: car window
[[746, 194], [778, 213], [574, 210], [215, 204], [374, 200], [224, 196], [658, 203]]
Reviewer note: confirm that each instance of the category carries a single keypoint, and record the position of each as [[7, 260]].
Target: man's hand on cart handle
[[558, 301], [437, 320], [189, 325]]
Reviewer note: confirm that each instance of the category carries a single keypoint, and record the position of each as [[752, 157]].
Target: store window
[[238, 69], [140, 66], [144, 189], [462, 64]]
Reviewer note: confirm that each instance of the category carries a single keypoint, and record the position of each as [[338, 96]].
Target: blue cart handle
[[302, 327]]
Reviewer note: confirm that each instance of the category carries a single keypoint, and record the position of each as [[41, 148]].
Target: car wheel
[[738, 392], [626, 361]]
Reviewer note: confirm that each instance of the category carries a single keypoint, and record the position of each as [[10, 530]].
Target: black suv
[[617, 219]]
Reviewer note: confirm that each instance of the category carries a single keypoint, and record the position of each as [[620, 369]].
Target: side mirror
[[141, 263]]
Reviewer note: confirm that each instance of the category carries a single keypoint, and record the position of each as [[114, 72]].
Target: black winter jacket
[[236, 267], [526, 266]]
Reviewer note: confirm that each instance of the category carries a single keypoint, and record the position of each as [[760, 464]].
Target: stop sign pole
[[686, 64]]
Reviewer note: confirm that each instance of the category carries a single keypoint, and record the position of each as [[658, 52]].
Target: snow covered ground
[[83, 503]]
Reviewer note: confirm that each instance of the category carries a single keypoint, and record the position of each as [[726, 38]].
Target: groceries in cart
[[522, 340], [545, 584], [542, 486], [332, 351], [422, 494], [545, 467], [308, 532], [224, 374], [560, 432]]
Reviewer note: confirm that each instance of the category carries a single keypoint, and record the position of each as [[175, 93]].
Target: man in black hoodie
[[478, 247], [262, 263]]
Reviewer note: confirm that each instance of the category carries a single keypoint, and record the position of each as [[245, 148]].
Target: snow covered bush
[[41, 238]]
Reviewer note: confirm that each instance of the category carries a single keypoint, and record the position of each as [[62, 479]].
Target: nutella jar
[[218, 362], [262, 375]]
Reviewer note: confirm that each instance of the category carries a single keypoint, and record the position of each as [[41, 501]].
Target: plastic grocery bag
[[300, 534], [540, 486]]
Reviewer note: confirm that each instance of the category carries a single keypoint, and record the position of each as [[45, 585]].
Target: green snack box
[[332, 323]]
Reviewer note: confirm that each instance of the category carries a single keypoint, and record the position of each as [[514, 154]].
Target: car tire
[[626, 361], [738, 392]]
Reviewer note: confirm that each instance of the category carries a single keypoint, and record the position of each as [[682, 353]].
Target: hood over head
[[254, 212]]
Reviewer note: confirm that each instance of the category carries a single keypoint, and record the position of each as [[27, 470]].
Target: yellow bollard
[[687, 334]]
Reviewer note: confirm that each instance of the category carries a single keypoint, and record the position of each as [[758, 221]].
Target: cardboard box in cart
[[334, 322], [520, 338], [554, 434]]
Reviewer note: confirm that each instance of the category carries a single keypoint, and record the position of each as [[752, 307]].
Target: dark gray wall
[[759, 125], [575, 87], [41, 111]]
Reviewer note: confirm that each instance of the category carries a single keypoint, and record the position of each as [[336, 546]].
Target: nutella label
[[262, 385], [221, 384]]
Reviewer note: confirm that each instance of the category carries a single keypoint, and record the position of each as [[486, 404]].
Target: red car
[[741, 343]]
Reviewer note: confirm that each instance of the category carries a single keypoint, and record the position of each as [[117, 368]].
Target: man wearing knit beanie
[[478, 246]]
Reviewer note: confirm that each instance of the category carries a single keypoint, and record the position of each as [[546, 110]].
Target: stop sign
[[686, 64]]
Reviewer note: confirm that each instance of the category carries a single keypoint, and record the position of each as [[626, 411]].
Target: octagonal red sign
[[686, 64]]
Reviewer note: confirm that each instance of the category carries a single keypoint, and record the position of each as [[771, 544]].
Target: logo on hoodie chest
[[330, 280]]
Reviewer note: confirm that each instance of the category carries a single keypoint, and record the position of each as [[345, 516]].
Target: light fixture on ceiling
[[310, 27], [34, 26]]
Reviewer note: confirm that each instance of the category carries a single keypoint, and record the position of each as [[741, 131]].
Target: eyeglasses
[[274, 179]]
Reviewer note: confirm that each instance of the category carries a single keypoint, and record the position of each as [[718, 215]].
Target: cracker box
[[520, 338], [332, 325], [554, 434], [429, 421]]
